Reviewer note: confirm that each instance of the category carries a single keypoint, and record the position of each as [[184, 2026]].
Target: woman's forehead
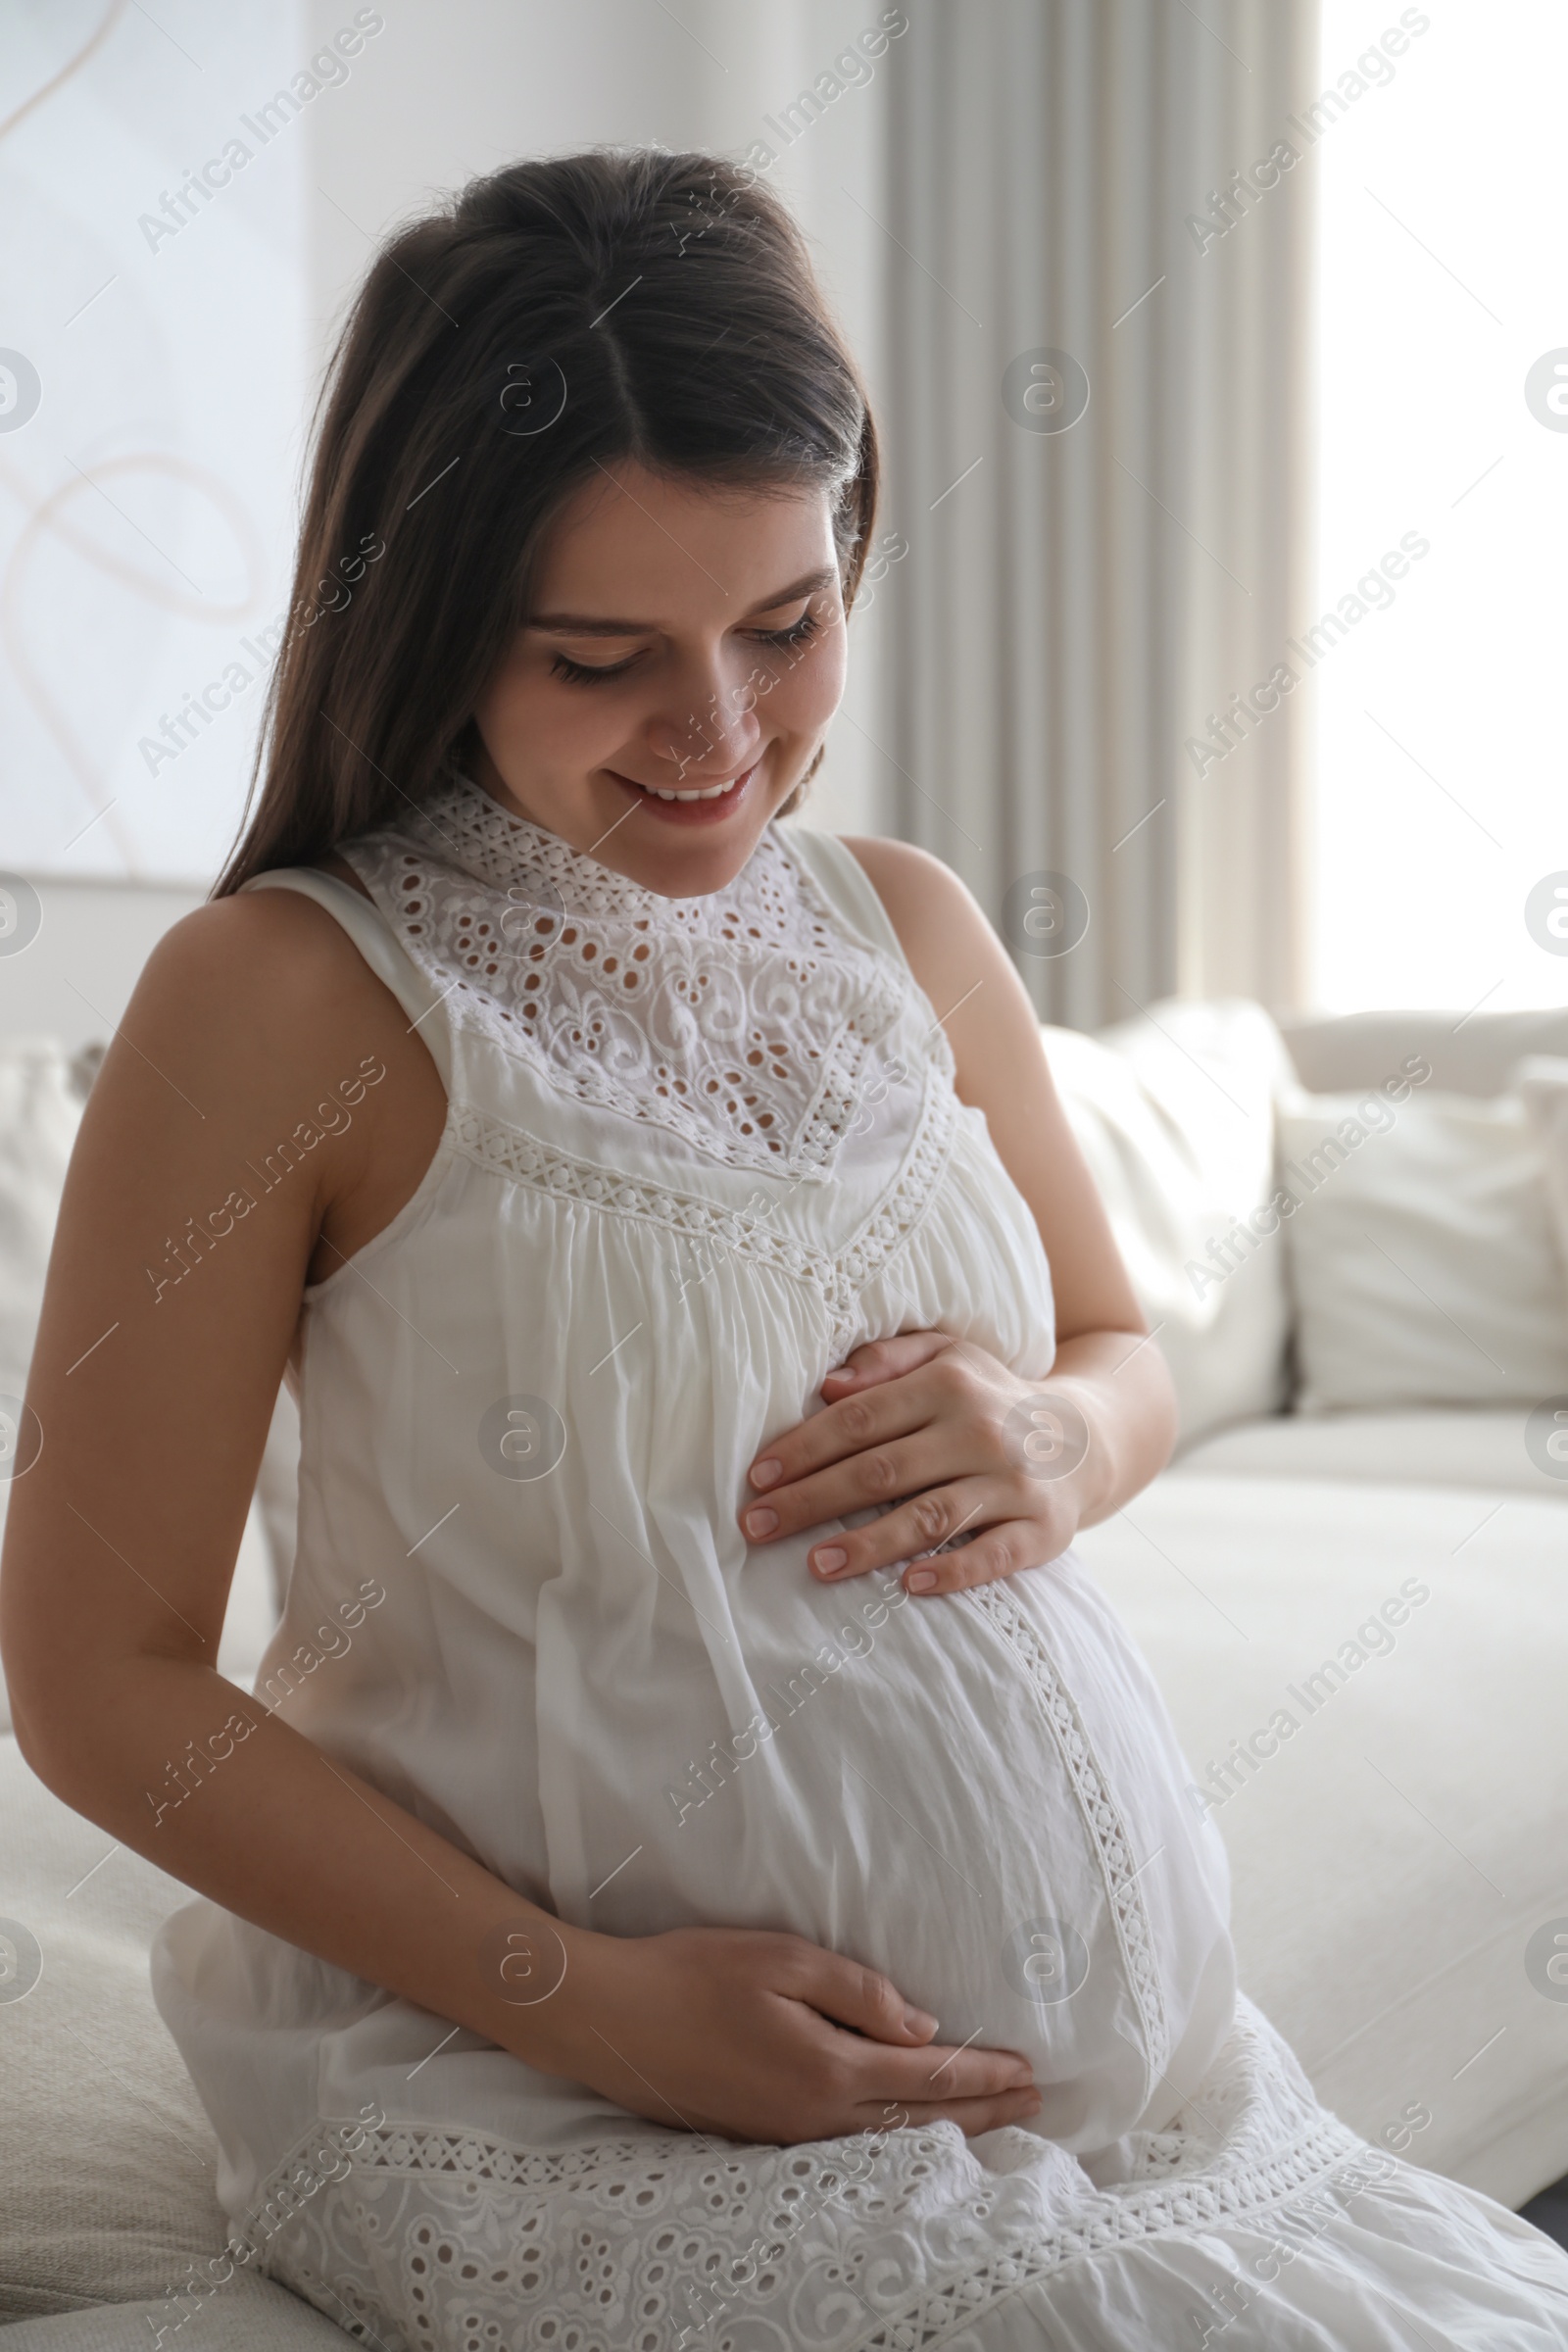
[[637, 544]]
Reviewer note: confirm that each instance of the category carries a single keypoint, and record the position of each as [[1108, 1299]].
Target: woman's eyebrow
[[584, 625]]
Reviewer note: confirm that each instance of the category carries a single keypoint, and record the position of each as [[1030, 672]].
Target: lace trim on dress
[[739, 1021], [881, 2242], [712, 1231], [1101, 1813]]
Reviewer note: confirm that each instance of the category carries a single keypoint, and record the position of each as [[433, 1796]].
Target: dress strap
[[377, 943], [844, 881]]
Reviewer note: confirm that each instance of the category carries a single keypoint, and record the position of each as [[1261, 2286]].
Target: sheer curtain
[[1096, 300]]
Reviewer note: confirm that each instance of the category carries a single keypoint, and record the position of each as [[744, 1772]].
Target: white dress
[[695, 1151]]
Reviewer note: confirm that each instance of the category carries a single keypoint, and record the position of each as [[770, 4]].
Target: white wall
[[73, 979], [155, 317], [446, 89]]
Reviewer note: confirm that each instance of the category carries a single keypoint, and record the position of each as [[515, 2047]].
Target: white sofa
[[1398, 1853], [1399, 1873]]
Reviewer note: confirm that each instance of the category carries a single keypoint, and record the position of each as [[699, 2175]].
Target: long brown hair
[[556, 316]]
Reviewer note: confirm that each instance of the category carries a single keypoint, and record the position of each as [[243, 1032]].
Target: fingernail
[[917, 2020], [920, 1579], [767, 1474], [761, 1523], [830, 1556]]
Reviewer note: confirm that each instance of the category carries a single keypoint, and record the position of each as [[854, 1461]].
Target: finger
[[844, 1993], [836, 1432], [974, 2116], [939, 2075], [945, 2075], [887, 1410], [866, 1413], [877, 1475], [878, 1360], [934, 1517], [1001, 1551]]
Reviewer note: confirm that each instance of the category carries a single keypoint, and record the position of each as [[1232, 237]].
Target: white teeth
[[714, 792]]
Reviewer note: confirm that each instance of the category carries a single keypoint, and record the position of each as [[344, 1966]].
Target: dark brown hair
[[557, 315]]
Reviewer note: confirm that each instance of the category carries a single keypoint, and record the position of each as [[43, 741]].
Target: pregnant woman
[[701, 1864]]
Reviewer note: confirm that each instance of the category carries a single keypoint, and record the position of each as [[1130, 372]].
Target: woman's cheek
[[805, 696]]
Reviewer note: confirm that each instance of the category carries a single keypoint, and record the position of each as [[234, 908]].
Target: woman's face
[[681, 639]]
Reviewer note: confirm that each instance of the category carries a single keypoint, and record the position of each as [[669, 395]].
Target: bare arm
[[174, 1294], [920, 1417]]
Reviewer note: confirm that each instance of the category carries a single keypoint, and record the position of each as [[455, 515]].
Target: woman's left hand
[[974, 1449]]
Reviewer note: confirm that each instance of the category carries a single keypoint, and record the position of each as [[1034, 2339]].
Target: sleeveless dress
[[696, 1150]]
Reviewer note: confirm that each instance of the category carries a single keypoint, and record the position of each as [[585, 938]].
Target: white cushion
[[1468, 1053], [40, 1110], [107, 2161], [1541, 1080], [1422, 1258], [1436, 1447], [1174, 1113], [268, 2318], [278, 1493], [1392, 1860]]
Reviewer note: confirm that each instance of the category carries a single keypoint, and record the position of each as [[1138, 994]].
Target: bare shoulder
[[955, 955], [940, 924], [910, 883], [245, 1012], [259, 940], [256, 1019], [270, 972]]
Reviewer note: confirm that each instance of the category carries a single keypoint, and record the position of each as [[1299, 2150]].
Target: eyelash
[[583, 673]]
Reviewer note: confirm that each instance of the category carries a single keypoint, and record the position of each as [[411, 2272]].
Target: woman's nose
[[713, 739]]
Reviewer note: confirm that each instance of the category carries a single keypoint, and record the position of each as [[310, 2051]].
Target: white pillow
[[1174, 1114], [1422, 1256], [40, 1110], [1543, 1083], [107, 2161]]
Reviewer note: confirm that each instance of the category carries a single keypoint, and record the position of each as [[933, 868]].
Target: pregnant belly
[[983, 1798]]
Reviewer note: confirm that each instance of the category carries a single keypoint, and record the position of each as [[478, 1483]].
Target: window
[[1440, 814]]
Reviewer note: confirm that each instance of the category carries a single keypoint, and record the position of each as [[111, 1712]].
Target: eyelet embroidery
[[740, 1021], [442, 2238]]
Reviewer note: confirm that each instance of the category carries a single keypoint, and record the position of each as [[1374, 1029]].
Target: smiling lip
[[702, 803]]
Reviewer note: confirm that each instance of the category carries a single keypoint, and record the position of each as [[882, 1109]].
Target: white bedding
[[1393, 1857]]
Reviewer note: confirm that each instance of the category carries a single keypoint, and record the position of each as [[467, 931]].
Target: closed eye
[[799, 633]]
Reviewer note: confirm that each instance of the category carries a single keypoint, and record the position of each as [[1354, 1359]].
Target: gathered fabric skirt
[[1261, 2222]]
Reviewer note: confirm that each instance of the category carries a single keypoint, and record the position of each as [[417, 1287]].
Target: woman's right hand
[[765, 2037]]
